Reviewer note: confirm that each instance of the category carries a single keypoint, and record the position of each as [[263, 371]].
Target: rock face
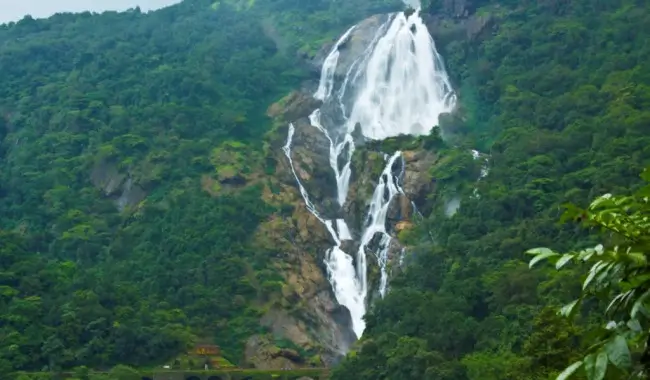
[[367, 165], [357, 42], [296, 105], [116, 185], [304, 311], [452, 20], [262, 354], [457, 20], [309, 150], [417, 181]]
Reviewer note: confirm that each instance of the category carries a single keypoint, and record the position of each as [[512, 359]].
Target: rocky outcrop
[[116, 185], [261, 353], [303, 310], [356, 43], [418, 183], [457, 20], [309, 150], [452, 20], [368, 163], [400, 209], [296, 105]]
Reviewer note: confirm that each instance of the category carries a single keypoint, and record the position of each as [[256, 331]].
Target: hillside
[[558, 94], [132, 181], [146, 202]]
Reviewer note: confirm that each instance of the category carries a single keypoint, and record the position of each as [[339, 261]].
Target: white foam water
[[398, 85]]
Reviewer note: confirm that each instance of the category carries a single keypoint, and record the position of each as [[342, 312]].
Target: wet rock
[[418, 183], [357, 43], [351, 49], [132, 194], [116, 185], [308, 313], [316, 63], [357, 135], [350, 246], [107, 178], [457, 21], [309, 150], [399, 209], [394, 252], [310, 155]]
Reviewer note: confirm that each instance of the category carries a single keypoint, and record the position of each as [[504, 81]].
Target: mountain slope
[[146, 204], [133, 197], [557, 94]]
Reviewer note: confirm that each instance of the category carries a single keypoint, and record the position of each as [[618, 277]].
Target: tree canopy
[[557, 95], [117, 247]]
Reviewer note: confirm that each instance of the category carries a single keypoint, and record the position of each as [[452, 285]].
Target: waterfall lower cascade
[[398, 85]]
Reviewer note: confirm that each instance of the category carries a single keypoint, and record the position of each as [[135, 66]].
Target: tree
[[619, 277]]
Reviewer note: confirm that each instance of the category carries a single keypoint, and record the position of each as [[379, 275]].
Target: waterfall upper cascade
[[398, 85]]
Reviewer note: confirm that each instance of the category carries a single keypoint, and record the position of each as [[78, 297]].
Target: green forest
[[559, 96], [117, 247], [92, 101]]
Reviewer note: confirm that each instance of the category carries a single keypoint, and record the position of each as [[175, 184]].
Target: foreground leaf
[[568, 371], [568, 309], [563, 260], [619, 353], [542, 253]]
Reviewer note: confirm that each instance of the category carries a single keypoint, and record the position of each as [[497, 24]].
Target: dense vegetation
[[559, 96], [619, 276], [117, 242], [121, 134]]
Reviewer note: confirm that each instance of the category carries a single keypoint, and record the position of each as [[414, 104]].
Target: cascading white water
[[397, 86], [386, 189]]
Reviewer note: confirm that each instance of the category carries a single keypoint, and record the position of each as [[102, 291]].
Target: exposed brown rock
[[306, 312], [403, 225], [399, 209], [261, 353], [417, 180]]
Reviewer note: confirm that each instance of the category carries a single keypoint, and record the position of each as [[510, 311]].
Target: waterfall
[[398, 85]]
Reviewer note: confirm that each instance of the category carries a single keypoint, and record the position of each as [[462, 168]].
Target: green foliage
[[306, 26], [619, 275], [405, 142], [119, 136], [122, 372], [171, 105], [557, 95]]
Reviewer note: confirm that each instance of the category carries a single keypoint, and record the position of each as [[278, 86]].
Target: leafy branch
[[620, 275]]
